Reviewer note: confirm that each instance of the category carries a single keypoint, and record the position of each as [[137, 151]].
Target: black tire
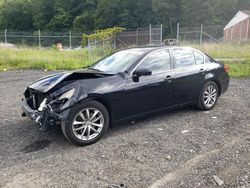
[[201, 103], [67, 127]]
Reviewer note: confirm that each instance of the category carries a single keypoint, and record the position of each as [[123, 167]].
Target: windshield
[[119, 61]]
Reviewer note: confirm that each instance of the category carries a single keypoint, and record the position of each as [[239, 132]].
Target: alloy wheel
[[210, 96], [88, 124]]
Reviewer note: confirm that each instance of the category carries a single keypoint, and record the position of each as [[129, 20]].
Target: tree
[[210, 12], [167, 12], [84, 22], [16, 15], [89, 15]]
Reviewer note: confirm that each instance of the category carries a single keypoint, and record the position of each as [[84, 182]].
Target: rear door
[[189, 77]]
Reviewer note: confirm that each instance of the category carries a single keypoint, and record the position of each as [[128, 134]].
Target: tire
[[209, 91], [90, 131]]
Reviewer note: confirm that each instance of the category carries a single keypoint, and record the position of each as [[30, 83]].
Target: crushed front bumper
[[29, 112], [44, 119]]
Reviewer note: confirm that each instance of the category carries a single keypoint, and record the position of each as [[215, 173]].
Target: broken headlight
[[67, 95], [57, 103]]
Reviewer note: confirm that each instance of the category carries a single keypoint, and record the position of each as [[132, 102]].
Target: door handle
[[202, 70], [168, 78]]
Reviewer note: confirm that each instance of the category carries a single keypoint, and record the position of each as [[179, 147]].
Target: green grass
[[239, 67], [50, 59]]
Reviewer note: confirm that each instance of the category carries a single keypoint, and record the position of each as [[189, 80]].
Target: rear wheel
[[87, 123], [208, 96]]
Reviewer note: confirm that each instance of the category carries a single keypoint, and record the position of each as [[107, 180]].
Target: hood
[[47, 83]]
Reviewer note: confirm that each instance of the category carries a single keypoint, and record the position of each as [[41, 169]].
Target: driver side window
[[157, 62]]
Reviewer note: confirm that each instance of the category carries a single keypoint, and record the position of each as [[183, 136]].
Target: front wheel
[[86, 124], [208, 96]]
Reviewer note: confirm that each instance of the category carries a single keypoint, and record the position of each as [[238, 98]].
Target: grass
[[239, 65], [50, 59]]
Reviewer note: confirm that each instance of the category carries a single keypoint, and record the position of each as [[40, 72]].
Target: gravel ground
[[183, 148]]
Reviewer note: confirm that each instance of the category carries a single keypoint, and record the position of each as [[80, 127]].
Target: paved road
[[184, 148]]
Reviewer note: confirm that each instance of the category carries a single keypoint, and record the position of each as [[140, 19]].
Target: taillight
[[226, 68]]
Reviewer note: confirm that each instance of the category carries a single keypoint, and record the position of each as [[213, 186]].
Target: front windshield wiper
[[94, 69], [101, 72]]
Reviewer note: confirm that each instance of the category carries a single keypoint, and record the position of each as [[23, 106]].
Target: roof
[[239, 17], [148, 49], [246, 12]]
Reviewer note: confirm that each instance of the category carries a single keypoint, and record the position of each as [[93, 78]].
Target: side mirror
[[142, 72]]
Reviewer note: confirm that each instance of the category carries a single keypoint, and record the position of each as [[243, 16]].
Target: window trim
[[201, 55]]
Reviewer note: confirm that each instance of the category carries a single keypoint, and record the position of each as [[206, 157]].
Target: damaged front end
[[47, 109], [49, 99]]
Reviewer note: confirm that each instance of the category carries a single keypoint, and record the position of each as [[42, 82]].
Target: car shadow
[[140, 123], [25, 136]]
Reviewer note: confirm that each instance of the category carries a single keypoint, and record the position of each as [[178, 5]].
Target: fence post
[[70, 40], [39, 38], [89, 50], [114, 48], [95, 40], [137, 37], [201, 34], [161, 35], [150, 34], [240, 31], [178, 32], [5, 36]]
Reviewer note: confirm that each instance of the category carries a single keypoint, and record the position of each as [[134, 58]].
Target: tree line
[[88, 15]]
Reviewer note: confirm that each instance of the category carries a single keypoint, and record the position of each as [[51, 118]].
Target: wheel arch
[[218, 84], [212, 78], [104, 102]]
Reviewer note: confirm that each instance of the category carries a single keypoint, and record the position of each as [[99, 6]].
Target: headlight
[[67, 95], [57, 104], [43, 105]]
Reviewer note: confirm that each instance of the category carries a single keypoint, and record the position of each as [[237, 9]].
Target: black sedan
[[126, 85]]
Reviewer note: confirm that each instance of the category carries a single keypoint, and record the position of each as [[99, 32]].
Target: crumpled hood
[[47, 83]]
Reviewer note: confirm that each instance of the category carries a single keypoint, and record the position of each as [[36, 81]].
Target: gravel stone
[[131, 154]]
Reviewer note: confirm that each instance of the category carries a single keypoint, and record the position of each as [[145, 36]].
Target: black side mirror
[[142, 72]]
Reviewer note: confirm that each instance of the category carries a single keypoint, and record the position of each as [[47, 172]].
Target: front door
[[146, 94]]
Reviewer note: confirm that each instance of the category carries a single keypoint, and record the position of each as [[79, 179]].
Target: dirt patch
[[35, 146]]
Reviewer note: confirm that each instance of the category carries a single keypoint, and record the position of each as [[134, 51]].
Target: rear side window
[[183, 58], [209, 60], [198, 58], [157, 61]]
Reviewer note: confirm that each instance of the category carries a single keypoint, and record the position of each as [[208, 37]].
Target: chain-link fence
[[151, 35], [199, 35], [147, 36], [41, 38]]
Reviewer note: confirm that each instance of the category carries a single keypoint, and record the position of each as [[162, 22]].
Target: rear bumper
[[224, 85]]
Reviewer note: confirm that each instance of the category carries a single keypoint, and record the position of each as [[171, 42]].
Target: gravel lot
[[183, 148]]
